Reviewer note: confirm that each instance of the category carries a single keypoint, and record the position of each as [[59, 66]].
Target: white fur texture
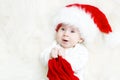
[[26, 29]]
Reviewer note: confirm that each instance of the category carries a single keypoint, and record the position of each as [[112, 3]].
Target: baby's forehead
[[70, 26]]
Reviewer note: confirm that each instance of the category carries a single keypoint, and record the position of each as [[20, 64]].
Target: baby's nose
[[66, 33]]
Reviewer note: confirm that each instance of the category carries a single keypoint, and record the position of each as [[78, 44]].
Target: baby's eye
[[63, 29], [72, 31]]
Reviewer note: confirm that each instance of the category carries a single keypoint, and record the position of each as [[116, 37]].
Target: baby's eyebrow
[[74, 29]]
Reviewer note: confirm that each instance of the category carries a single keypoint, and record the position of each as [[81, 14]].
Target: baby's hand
[[61, 52], [55, 52]]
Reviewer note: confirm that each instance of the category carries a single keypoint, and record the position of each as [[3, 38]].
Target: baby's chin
[[67, 46]]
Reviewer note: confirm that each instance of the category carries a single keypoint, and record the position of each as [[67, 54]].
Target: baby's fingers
[[54, 53]]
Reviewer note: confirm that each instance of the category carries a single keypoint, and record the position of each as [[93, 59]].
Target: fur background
[[26, 29]]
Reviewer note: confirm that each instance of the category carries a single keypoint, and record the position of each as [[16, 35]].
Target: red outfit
[[60, 69]]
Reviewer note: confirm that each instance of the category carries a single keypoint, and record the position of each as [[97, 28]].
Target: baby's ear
[[81, 40]]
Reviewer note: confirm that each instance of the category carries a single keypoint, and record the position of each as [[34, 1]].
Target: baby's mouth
[[64, 40]]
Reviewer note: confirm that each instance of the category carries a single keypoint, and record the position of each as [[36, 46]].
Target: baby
[[74, 26], [69, 45]]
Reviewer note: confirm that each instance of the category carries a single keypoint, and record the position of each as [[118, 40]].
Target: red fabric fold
[[60, 69]]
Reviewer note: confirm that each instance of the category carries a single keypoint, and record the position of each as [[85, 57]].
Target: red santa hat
[[89, 19]]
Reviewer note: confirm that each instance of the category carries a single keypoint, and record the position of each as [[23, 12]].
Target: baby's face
[[67, 36]]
